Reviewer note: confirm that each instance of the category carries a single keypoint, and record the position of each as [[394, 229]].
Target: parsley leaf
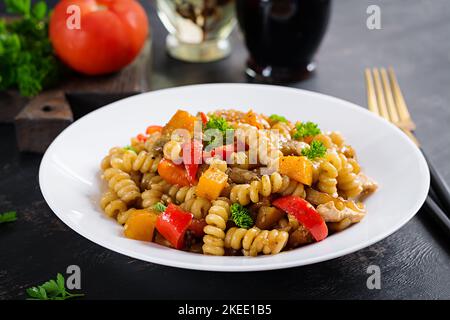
[[221, 125], [159, 206], [277, 118], [8, 216], [51, 290], [316, 150], [241, 216], [27, 61], [306, 129]]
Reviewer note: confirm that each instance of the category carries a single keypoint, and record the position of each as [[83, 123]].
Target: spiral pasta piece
[[337, 138], [198, 206], [329, 167], [218, 214], [326, 140], [284, 129], [130, 161], [347, 181], [254, 241], [218, 163], [106, 161], [157, 192], [275, 183], [122, 184], [172, 151], [181, 194], [122, 217], [111, 204], [151, 197]]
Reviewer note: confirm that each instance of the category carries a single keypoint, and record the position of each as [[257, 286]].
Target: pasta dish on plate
[[234, 183]]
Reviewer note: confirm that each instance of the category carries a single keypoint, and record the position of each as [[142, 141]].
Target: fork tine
[[371, 97], [405, 117], [380, 94], [392, 108]]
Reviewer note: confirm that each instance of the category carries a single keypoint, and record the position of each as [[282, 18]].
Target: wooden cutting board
[[40, 119]]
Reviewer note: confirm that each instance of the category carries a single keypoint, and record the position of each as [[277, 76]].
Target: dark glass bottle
[[282, 36]]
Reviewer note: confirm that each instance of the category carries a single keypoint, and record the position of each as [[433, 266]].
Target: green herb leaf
[[39, 10], [306, 129], [51, 290], [18, 6], [159, 206], [241, 216], [130, 148], [277, 118], [8, 216], [316, 150], [222, 126], [27, 61]]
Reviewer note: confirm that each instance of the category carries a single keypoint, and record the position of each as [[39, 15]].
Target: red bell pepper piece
[[192, 157], [197, 226], [141, 137], [305, 213], [172, 225], [222, 152], [153, 129], [203, 117]]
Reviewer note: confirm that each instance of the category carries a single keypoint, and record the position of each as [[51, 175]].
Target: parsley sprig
[[51, 290], [241, 216], [306, 129], [8, 217], [27, 61], [277, 118], [221, 125], [316, 150]]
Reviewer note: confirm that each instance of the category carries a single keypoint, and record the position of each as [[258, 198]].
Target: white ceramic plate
[[70, 180]]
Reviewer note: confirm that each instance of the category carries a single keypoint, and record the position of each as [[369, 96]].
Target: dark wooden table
[[414, 261]]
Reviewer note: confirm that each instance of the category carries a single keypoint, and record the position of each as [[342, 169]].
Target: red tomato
[[111, 34]]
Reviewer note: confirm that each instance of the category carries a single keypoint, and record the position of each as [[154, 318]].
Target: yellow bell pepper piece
[[297, 168], [211, 183], [140, 225]]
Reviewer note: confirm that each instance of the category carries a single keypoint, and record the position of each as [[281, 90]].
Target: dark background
[[414, 261]]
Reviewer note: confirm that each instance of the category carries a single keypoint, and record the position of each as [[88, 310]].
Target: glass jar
[[198, 29]]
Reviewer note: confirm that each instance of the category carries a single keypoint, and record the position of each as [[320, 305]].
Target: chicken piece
[[369, 186], [329, 213], [299, 237], [292, 147], [240, 176]]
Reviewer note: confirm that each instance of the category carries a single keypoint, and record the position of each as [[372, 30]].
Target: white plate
[[70, 181]]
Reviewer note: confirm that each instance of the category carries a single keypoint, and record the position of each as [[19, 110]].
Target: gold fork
[[385, 99]]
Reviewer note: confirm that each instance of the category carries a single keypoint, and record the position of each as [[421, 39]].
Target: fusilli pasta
[[215, 230], [254, 240], [241, 204]]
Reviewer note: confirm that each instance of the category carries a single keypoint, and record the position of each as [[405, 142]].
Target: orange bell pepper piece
[[297, 168], [173, 173], [140, 225]]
